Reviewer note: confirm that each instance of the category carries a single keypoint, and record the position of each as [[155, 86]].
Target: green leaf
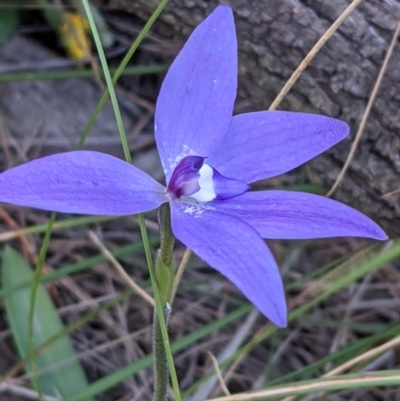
[[59, 370], [8, 22]]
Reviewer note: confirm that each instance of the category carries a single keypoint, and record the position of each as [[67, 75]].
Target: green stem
[[35, 285], [121, 68], [165, 270], [161, 373], [165, 277], [159, 310]]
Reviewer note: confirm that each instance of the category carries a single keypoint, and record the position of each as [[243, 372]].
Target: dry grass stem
[[312, 53], [367, 111], [218, 373], [151, 225], [363, 357], [357, 292], [114, 262], [179, 273], [243, 356], [230, 349], [24, 393], [311, 388], [139, 126], [15, 233], [120, 336], [391, 193], [82, 355], [25, 244], [139, 101]]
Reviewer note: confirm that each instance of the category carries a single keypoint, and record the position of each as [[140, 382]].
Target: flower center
[[194, 179]]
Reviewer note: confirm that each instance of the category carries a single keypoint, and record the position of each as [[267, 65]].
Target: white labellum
[[206, 184]]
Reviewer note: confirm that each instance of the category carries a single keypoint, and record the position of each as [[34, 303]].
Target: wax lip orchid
[[209, 159]]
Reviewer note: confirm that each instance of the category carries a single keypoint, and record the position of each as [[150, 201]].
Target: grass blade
[[58, 380]]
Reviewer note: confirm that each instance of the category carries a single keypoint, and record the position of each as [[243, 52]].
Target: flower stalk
[[210, 159], [165, 272]]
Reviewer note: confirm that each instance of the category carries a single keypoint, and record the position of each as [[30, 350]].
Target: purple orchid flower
[[209, 159]]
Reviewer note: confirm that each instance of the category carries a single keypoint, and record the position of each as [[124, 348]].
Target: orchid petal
[[235, 250], [81, 182], [228, 187], [298, 215], [195, 104], [264, 144]]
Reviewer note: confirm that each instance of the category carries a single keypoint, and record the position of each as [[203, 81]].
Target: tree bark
[[274, 36]]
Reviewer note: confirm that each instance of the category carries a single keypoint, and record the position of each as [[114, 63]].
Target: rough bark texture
[[274, 36]]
